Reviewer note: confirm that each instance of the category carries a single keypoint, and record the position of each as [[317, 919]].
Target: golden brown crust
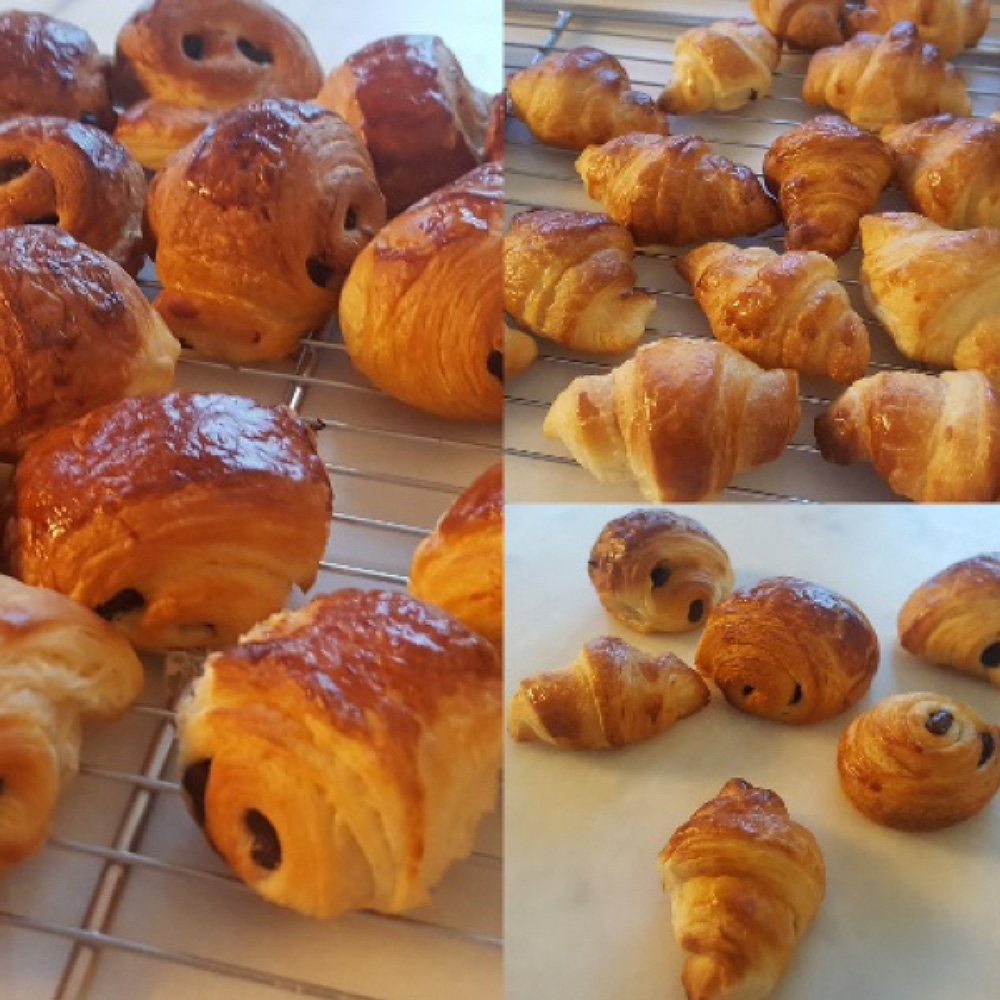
[[789, 650], [656, 571], [675, 190], [806, 24], [519, 352], [493, 144], [422, 309], [919, 761], [952, 25], [153, 130]]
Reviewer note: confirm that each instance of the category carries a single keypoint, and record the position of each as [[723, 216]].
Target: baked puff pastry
[[51, 67], [569, 277], [931, 439], [951, 25], [656, 571], [459, 566], [612, 695], [954, 618], [919, 761], [745, 882], [257, 224], [75, 333], [827, 174], [879, 80], [59, 663], [780, 310], [576, 98], [183, 519], [806, 24], [341, 756], [681, 418], [422, 310], [675, 190], [722, 66], [788, 650]]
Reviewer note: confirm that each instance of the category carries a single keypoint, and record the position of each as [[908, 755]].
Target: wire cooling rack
[[127, 900], [539, 469]]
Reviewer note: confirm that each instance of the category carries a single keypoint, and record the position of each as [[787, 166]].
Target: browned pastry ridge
[[459, 566], [919, 761], [656, 571], [788, 650], [422, 310], [612, 695], [827, 174], [184, 519], [576, 98], [257, 224], [341, 756], [75, 333], [954, 618], [675, 190], [951, 25], [806, 24], [424, 124], [50, 67]]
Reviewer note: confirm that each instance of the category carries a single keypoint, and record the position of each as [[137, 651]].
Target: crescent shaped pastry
[[951, 25], [806, 24]]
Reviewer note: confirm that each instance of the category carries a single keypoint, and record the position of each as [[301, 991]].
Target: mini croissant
[[745, 882], [788, 650], [681, 418], [780, 310], [675, 190], [721, 66], [827, 174], [930, 438], [879, 80], [954, 618], [612, 695], [576, 98], [806, 24], [951, 25], [568, 276]]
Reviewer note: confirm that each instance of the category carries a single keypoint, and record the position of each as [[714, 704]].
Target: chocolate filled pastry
[[919, 761], [424, 124], [180, 63], [61, 173], [612, 695], [341, 756], [257, 224], [656, 571], [50, 67], [76, 332], [183, 519], [789, 651], [422, 309], [954, 618], [59, 663]]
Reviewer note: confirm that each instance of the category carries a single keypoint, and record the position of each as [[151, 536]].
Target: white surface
[[905, 916]]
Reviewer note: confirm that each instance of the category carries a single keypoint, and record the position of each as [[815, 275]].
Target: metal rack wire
[[540, 176]]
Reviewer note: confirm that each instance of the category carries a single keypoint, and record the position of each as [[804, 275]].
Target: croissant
[[827, 173], [152, 131], [931, 439], [721, 66], [341, 755], [788, 650], [422, 309], [656, 571], [459, 567], [879, 80], [681, 418], [951, 25], [257, 224], [781, 311], [919, 761], [612, 695], [954, 618], [568, 276], [949, 169], [806, 24], [745, 881], [675, 190], [59, 664], [576, 98], [496, 124], [183, 519]]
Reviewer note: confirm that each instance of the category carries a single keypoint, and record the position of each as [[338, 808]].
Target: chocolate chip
[[44, 220], [988, 747], [797, 694], [659, 575], [991, 656], [747, 691], [266, 850], [351, 219], [195, 784], [696, 610], [253, 52], [753, 95], [13, 168], [494, 364], [319, 271], [122, 603], [193, 47], [939, 722]]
